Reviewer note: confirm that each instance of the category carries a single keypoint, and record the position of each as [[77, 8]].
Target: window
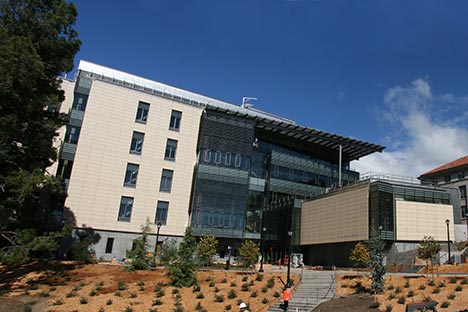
[[131, 175], [217, 158], [79, 101], [142, 112], [161, 212], [461, 175], [447, 178], [72, 134], [109, 245], [207, 156], [166, 181], [125, 211], [237, 160], [137, 142], [174, 124], [227, 161], [462, 191], [171, 148]]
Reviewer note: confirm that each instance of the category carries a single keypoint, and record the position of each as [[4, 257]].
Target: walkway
[[315, 288]]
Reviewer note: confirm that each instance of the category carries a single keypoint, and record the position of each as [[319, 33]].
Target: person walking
[[243, 307], [286, 297]]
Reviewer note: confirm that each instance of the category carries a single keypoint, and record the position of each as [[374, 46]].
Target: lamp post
[[289, 259], [157, 240], [228, 261], [262, 237], [448, 241]]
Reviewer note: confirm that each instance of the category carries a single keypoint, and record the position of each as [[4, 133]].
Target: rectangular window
[[161, 212], [462, 191], [447, 178], [79, 101], [125, 211], [207, 156], [174, 124], [109, 245], [142, 112], [166, 181], [227, 160], [131, 175], [237, 160], [72, 134], [171, 148], [137, 142], [461, 175]]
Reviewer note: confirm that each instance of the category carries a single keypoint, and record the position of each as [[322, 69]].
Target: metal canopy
[[352, 148]]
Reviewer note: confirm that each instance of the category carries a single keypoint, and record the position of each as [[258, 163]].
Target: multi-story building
[[398, 209], [453, 175], [137, 150]]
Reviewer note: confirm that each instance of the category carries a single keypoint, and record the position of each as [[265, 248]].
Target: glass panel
[[161, 212], [80, 101], [142, 112], [166, 181], [72, 134], [137, 142], [125, 211], [171, 148], [174, 123], [131, 175], [109, 245]]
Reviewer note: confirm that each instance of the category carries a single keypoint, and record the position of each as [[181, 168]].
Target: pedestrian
[[243, 307], [286, 297]]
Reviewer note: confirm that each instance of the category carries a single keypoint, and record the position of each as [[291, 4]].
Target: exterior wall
[[341, 217], [102, 154], [415, 220]]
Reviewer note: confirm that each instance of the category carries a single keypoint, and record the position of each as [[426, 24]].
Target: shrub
[[196, 288], [140, 283], [133, 295], [93, 293], [271, 282], [451, 296], [458, 288], [157, 302], [117, 294], [83, 300], [57, 302], [390, 287], [128, 309], [219, 298], [388, 308], [52, 289], [397, 290], [109, 301], [410, 294], [211, 284], [264, 289], [259, 277], [121, 285], [70, 294], [344, 285], [422, 287], [464, 281], [182, 270], [228, 307], [436, 290], [401, 300], [245, 287], [431, 283], [276, 294], [391, 296], [43, 294], [175, 291], [441, 285], [206, 249], [445, 304], [232, 294], [453, 280], [216, 289], [374, 305], [200, 296], [253, 294], [224, 281], [159, 293], [264, 300], [209, 279], [407, 284], [138, 255], [245, 278], [233, 284]]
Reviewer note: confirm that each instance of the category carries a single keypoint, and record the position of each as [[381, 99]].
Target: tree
[[248, 253], [182, 270], [139, 253], [38, 43], [206, 249], [360, 255], [377, 248], [428, 249]]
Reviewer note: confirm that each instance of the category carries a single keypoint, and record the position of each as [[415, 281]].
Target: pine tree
[[377, 248], [182, 270]]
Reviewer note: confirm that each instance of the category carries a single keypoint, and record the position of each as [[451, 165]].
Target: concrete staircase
[[315, 288]]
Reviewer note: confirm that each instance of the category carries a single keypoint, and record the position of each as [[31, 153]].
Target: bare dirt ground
[[68, 287], [400, 290]]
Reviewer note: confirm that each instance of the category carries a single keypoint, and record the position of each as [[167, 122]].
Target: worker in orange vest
[[286, 296]]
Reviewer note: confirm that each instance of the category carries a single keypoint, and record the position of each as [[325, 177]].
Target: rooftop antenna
[[245, 100]]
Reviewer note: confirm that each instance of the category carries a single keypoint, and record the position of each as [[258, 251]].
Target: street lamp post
[[448, 241], [228, 261], [157, 240], [262, 237], [289, 259]]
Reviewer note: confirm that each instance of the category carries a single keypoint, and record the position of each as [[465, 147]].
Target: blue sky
[[389, 72]]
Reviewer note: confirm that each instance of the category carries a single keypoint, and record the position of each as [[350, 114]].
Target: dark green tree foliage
[[138, 255], [377, 254], [37, 44], [206, 249], [182, 270], [248, 253]]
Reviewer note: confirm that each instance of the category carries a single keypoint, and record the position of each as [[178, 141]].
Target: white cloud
[[428, 131]]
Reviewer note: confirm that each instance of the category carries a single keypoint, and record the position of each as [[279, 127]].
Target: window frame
[[142, 107], [124, 207], [175, 120], [129, 174], [166, 180], [161, 212], [134, 142], [171, 150]]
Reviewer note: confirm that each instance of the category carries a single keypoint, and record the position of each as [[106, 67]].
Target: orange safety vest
[[287, 294]]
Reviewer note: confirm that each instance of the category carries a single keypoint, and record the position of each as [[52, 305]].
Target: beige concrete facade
[[97, 182], [341, 217], [415, 220]]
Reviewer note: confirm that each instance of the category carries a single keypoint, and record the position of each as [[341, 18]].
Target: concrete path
[[315, 288]]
